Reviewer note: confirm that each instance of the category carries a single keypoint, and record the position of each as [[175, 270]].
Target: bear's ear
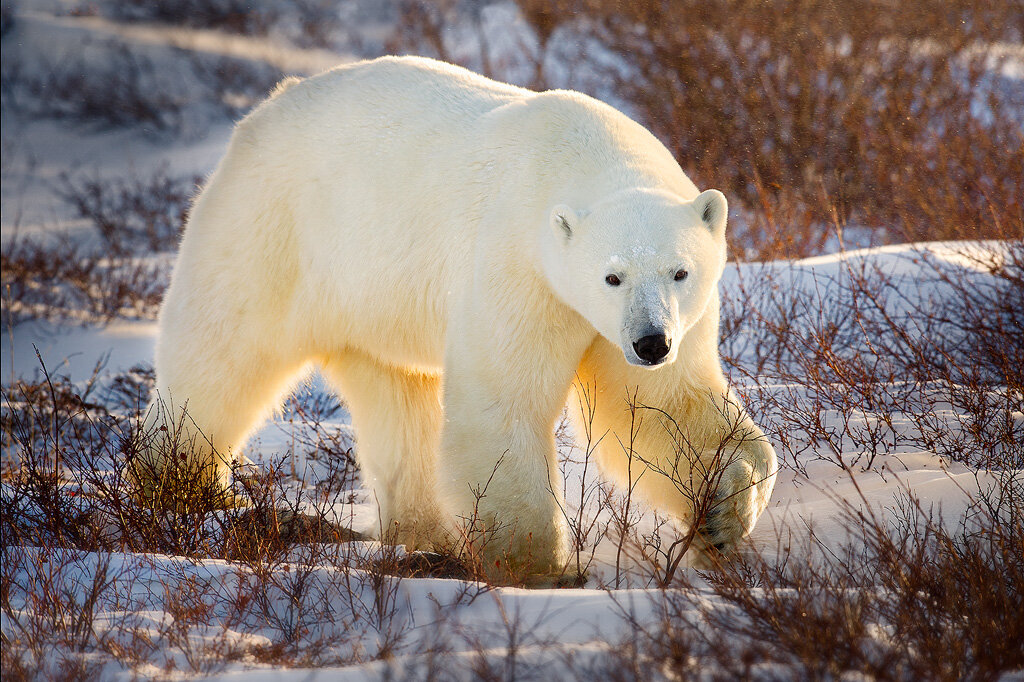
[[564, 220], [712, 208]]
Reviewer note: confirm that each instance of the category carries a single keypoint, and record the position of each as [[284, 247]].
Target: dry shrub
[[58, 281], [163, 92], [820, 121], [110, 84], [61, 278], [868, 361], [904, 599], [65, 592], [427, 28], [892, 121], [319, 23], [77, 450], [75, 539], [886, 365], [235, 16], [849, 367], [480, 35], [136, 214]]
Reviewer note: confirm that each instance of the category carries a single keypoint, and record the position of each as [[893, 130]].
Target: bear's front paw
[[727, 519], [743, 489], [717, 537]]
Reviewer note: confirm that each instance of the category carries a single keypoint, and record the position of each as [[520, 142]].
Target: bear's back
[[432, 119], [385, 96]]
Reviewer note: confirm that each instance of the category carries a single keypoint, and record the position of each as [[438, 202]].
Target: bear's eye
[[681, 275], [613, 280]]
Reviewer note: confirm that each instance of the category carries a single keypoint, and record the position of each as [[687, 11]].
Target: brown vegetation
[[813, 118]]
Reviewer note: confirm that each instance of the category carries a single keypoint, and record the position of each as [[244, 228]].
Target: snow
[[811, 495], [75, 352], [811, 499]]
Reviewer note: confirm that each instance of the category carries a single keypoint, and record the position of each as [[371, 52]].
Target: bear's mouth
[[646, 364], [637, 361]]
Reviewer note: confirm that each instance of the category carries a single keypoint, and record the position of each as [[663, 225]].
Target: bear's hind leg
[[397, 415], [212, 391]]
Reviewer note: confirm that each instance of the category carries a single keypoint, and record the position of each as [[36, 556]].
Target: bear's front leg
[[507, 378], [502, 489], [742, 477]]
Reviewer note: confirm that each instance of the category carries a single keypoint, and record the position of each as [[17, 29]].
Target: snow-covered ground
[[373, 626]]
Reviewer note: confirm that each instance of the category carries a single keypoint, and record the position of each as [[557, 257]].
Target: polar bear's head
[[640, 265]]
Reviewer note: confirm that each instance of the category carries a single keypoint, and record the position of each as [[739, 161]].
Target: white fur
[[401, 219]]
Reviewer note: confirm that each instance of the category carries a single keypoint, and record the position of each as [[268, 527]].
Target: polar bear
[[454, 254]]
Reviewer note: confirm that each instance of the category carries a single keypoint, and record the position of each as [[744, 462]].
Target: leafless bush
[[65, 279], [886, 363], [236, 16], [67, 505], [657, 557], [481, 35], [307, 23], [904, 598], [65, 593], [818, 121], [160, 91], [323, 439], [863, 361], [118, 86], [72, 448], [61, 281], [422, 29], [883, 118], [134, 214], [586, 528]]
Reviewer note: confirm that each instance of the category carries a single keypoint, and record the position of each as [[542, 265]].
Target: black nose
[[653, 348]]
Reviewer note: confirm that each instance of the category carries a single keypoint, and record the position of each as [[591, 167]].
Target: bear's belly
[[398, 326], [385, 292], [399, 335]]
